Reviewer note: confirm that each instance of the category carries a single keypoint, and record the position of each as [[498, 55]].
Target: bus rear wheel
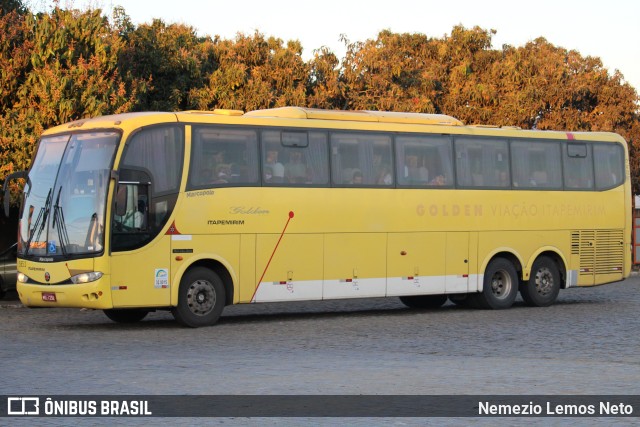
[[126, 315], [201, 298], [543, 286], [500, 286], [424, 301]]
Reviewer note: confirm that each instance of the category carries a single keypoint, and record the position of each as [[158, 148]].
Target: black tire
[[201, 298], [543, 286], [500, 286], [126, 315], [424, 301]]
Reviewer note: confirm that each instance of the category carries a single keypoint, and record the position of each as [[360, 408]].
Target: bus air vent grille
[[599, 251]]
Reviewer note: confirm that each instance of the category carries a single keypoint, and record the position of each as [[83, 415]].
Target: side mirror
[[121, 199]]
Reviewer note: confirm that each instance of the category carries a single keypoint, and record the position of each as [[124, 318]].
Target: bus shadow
[[167, 322], [164, 320], [238, 319]]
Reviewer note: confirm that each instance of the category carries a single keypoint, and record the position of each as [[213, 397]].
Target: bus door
[[140, 261]]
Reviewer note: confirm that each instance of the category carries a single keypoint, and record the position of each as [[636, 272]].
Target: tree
[[395, 72], [254, 72], [325, 86], [8, 6], [171, 60], [57, 67]]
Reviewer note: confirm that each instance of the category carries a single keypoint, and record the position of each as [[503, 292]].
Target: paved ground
[[587, 343]]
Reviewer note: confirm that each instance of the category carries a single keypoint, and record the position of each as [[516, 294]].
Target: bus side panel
[[290, 270], [416, 263], [598, 255], [457, 262], [248, 281], [355, 265], [141, 278], [223, 248]]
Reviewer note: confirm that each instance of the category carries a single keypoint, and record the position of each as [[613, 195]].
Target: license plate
[[49, 296]]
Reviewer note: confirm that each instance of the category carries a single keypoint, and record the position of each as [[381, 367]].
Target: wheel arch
[[217, 266], [556, 256], [510, 255]]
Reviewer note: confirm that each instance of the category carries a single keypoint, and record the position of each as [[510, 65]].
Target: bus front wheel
[[543, 286], [500, 286], [201, 298]]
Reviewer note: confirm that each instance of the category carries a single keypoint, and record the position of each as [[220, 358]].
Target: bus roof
[[358, 116], [296, 116]]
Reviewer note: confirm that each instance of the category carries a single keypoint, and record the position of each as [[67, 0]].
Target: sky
[[608, 29]]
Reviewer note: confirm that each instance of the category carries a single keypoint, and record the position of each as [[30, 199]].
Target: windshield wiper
[[40, 221], [58, 218]]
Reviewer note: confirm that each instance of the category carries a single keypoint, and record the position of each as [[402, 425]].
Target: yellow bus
[[193, 211]]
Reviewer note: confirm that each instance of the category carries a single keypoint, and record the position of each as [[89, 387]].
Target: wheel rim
[[501, 284], [544, 281], [201, 297]]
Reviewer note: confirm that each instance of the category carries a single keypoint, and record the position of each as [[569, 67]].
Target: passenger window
[[578, 167], [159, 151], [361, 160], [223, 157], [424, 161], [294, 158], [150, 174], [482, 162], [536, 164], [609, 161]]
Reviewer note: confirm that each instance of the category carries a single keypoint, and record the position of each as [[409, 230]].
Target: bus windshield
[[65, 199]]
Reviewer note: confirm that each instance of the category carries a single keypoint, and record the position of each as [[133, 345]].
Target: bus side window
[[370, 154], [222, 157], [131, 213], [578, 167], [482, 162], [295, 158], [536, 164], [151, 170], [424, 161], [609, 161]]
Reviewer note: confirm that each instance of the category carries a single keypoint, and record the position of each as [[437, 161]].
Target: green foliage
[[325, 87], [254, 72], [8, 6], [65, 65], [56, 67], [169, 59]]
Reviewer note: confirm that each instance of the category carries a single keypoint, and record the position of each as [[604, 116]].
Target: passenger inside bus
[[277, 169], [296, 170], [356, 179]]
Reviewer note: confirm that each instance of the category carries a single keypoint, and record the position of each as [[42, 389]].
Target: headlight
[[22, 278], [86, 277]]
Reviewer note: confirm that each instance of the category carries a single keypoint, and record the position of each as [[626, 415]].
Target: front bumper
[[94, 295]]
